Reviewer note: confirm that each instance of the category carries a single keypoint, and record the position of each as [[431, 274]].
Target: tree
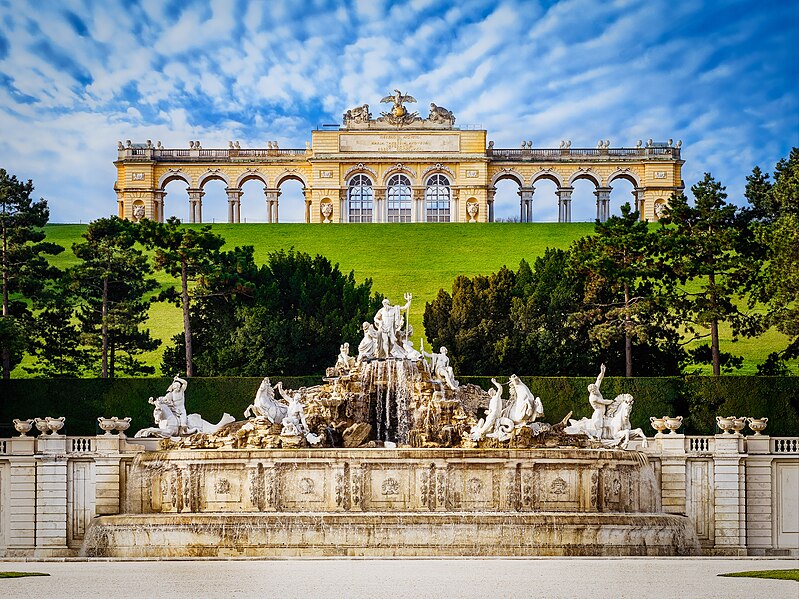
[[286, 317], [619, 266], [113, 286], [23, 264], [709, 269], [186, 254], [778, 235]]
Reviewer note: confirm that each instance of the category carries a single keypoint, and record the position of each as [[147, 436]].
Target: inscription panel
[[375, 142]]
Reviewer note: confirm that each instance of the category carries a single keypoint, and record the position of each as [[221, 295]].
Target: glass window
[[437, 199], [360, 198], [398, 196]]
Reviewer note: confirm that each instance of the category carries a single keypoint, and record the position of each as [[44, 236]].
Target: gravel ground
[[582, 578]]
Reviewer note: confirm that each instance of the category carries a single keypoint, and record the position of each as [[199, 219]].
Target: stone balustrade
[[739, 491]]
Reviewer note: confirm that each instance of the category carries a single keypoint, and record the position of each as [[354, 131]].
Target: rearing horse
[[617, 423]]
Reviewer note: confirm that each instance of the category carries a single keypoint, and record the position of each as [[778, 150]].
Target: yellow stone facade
[[399, 143]]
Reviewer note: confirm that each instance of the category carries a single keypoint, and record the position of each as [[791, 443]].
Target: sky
[[76, 76]]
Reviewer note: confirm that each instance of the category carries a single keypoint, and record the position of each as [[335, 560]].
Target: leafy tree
[[286, 317], [709, 269], [113, 285], [188, 255], [23, 264], [620, 302]]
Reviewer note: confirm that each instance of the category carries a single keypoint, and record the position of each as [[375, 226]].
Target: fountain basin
[[260, 502]]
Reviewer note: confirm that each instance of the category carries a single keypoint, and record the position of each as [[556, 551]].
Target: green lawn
[[399, 258], [775, 574], [21, 574]]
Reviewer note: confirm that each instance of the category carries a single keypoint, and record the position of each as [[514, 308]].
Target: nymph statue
[[494, 413], [367, 348], [441, 369]]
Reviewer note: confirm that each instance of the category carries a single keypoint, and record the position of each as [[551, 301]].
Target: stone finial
[[158, 145], [149, 143], [191, 145], [238, 147], [670, 142], [276, 146], [649, 143], [230, 145], [269, 145], [491, 144], [197, 145], [679, 144], [120, 146], [128, 143], [530, 144]]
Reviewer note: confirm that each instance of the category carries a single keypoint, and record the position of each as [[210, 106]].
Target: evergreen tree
[[113, 285], [188, 255], [23, 265], [620, 303], [709, 269]]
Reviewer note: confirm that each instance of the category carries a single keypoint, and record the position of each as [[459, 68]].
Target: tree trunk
[[111, 359], [714, 328], [628, 341], [104, 329], [6, 352], [184, 295]]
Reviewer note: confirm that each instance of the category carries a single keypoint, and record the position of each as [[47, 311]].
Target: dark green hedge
[[699, 399]]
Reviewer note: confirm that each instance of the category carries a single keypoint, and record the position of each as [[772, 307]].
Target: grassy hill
[[399, 258]]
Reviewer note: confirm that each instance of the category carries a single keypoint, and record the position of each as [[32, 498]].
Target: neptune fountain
[[391, 455]]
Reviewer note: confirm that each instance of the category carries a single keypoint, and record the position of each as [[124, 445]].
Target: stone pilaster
[[51, 497], [729, 495], [602, 203], [638, 199], [526, 195], [21, 496], [107, 480], [233, 204]]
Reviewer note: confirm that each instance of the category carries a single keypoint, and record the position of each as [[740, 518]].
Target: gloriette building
[[398, 167]]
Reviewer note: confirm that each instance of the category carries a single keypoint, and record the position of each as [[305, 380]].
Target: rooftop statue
[[398, 99]]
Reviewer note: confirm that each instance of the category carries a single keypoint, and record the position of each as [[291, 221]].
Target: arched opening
[[291, 201], [507, 201], [214, 201], [622, 191], [437, 200], [545, 200], [253, 200], [584, 200], [360, 199], [176, 199], [398, 199]]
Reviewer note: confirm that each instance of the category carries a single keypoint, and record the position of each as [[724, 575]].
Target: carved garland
[[399, 168], [438, 168], [360, 168]]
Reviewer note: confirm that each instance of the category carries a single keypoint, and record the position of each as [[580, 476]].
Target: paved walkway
[[582, 578]]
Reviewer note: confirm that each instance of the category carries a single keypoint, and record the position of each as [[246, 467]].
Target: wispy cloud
[[77, 75]]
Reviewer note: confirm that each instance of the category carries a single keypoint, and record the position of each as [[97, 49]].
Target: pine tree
[[23, 264]]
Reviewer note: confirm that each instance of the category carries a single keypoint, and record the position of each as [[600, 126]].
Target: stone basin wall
[[398, 480]]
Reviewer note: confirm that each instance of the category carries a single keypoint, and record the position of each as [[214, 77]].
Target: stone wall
[[740, 492]]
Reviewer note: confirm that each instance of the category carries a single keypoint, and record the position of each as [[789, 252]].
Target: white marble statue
[[388, 322], [166, 423], [175, 398], [294, 423], [265, 406], [522, 410], [345, 362], [198, 425], [367, 348], [439, 365], [407, 346], [495, 405]]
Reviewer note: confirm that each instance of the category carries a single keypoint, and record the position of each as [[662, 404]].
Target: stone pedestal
[[729, 495]]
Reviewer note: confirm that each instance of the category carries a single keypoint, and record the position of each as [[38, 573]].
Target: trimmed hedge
[[699, 399]]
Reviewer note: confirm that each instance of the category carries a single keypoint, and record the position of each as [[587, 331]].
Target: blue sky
[[76, 76]]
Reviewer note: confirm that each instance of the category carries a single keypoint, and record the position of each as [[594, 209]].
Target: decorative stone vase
[[659, 424], [55, 424], [122, 424], [738, 424], [23, 426], [41, 425], [725, 424], [107, 424], [673, 423], [757, 425]]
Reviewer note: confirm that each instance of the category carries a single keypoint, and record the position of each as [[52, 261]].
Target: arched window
[[359, 198], [399, 199], [437, 199]]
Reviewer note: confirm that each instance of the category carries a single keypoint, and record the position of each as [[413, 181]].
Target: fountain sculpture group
[[389, 457]]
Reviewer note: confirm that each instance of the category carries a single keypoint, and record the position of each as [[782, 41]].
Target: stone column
[[158, 205], [490, 195], [307, 210], [602, 203], [672, 473], [233, 204], [638, 195], [196, 205], [418, 208], [729, 495], [272, 196], [51, 497], [379, 209], [565, 204], [759, 489], [526, 195]]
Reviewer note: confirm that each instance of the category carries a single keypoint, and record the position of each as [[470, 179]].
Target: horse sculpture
[[617, 423], [265, 406]]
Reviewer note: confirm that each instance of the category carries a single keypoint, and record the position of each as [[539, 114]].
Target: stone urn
[[107, 424], [757, 425], [55, 424], [738, 424], [41, 425], [122, 424], [673, 423], [725, 424], [659, 424], [23, 426]]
